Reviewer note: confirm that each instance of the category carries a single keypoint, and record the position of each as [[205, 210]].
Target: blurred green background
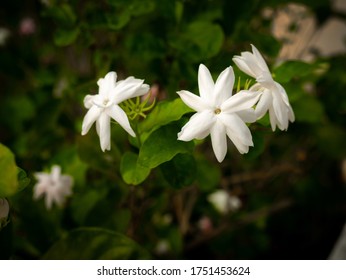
[[291, 184]]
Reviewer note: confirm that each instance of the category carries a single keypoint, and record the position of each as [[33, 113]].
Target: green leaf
[[291, 69], [65, 37], [8, 172], [162, 145], [308, 109], [200, 40], [95, 244], [180, 171], [132, 172], [23, 180], [117, 21], [163, 113]]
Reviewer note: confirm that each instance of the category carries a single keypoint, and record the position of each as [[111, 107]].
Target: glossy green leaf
[[163, 113], [8, 172], [131, 171], [291, 69], [162, 145], [95, 244]]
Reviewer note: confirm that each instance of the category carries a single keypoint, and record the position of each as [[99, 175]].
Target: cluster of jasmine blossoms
[[218, 112], [221, 114]]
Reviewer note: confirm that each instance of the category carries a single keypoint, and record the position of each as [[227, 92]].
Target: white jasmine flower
[[54, 186], [273, 96], [4, 211], [104, 106], [219, 113], [223, 202]]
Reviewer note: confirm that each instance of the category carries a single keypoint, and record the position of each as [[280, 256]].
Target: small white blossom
[[54, 186], [224, 202], [4, 211], [104, 106], [273, 96], [219, 113]]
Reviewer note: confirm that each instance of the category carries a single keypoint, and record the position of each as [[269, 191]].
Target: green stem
[[136, 132]]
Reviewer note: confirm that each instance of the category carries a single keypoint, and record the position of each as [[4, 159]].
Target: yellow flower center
[[105, 102], [217, 111]]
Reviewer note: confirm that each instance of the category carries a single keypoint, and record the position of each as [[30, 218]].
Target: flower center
[[217, 111], [105, 102]]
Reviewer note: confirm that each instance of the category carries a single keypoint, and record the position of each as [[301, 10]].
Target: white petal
[[219, 140], [272, 118], [263, 104], [291, 116], [243, 100], [238, 143], [107, 84], [143, 89], [223, 86], [116, 113], [127, 89], [90, 117], [242, 65], [259, 58], [248, 115], [105, 131], [252, 63], [88, 101], [282, 93], [235, 125], [205, 83], [55, 173], [193, 101], [198, 126], [281, 111]]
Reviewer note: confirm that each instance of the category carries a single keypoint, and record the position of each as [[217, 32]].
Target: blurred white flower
[[4, 211], [104, 106], [4, 34], [54, 186], [162, 247], [273, 96], [219, 113], [224, 202]]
